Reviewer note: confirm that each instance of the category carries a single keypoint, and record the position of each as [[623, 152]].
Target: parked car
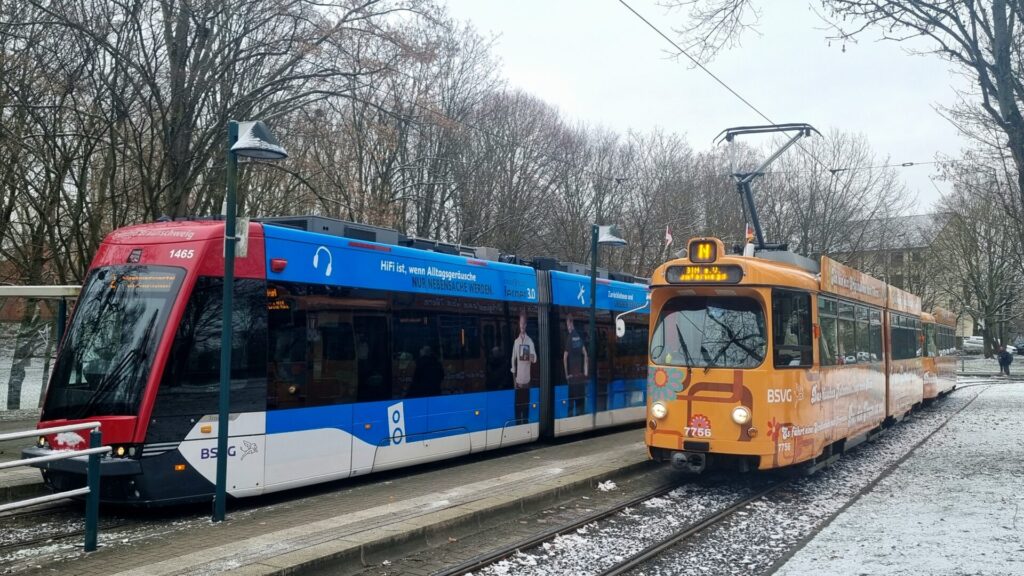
[[976, 344], [973, 344]]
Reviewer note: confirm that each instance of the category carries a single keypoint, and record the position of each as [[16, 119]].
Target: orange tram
[[772, 360]]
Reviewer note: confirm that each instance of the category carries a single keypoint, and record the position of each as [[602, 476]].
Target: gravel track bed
[[750, 541], [602, 544]]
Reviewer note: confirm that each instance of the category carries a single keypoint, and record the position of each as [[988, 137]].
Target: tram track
[[749, 514], [503, 552], [656, 549]]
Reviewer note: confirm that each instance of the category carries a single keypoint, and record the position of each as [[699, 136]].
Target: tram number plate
[[692, 432]]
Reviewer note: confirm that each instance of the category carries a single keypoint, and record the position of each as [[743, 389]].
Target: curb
[[22, 491], [441, 525]]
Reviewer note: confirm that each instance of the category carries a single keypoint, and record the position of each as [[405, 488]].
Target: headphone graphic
[[330, 260]]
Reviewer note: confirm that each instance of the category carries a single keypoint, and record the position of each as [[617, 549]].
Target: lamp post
[[250, 140], [608, 236]]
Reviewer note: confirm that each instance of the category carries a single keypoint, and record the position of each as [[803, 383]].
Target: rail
[[92, 489]]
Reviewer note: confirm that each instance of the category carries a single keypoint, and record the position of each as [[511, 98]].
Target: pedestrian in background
[[1005, 359]]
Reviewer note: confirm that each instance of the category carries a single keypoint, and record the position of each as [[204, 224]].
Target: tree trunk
[[25, 346]]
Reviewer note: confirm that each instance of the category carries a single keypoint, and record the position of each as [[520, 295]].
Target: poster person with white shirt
[[524, 354]]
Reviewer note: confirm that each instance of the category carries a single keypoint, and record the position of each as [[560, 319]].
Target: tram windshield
[[710, 332], [103, 366]]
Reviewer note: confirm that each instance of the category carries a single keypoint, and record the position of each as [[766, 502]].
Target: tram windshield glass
[[104, 363], [708, 332]]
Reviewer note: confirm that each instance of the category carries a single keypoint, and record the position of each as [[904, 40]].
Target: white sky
[[598, 63]]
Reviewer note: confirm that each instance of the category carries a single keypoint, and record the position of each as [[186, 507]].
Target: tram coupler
[[690, 462]]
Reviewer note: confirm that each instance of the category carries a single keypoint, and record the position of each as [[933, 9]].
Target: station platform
[[952, 507], [367, 519]]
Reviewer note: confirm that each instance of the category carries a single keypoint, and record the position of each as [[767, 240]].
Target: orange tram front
[[771, 360]]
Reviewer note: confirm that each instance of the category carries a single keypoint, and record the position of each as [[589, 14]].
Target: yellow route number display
[[704, 274]]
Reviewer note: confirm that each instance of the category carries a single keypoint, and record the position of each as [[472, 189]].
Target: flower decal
[[664, 383], [700, 421], [773, 429]]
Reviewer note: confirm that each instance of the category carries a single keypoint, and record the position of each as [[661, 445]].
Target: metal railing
[[92, 489]]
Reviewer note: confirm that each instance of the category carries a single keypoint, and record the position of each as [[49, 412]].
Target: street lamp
[[250, 140], [606, 236]]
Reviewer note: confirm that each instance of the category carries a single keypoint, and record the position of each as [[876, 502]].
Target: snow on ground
[[982, 365], [597, 546], [751, 541], [952, 508]]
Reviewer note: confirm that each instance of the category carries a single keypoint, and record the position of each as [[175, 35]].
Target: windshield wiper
[[108, 382], [113, 377], [686, 350], [732, 340]]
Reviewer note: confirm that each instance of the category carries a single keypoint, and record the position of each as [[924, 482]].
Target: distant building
[[897, 250]]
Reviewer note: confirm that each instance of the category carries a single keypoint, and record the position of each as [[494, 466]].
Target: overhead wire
[[715, 77]]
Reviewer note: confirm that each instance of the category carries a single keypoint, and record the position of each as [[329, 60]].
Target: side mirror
[[620, 327]]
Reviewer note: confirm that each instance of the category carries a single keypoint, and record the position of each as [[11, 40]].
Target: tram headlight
[[741, 415], [119, 451], [659, 410], [41, 442]]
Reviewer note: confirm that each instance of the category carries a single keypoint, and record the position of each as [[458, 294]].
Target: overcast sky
[[598, 63]]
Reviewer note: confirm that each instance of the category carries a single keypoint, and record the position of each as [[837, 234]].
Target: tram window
[[628, 378], [791, 328], [863, 340], [460, 353], [633, 343], [191, 378], [827, 339], [417, 351], [826, 306], [373, 357], [875, 341], [495, 344], [930, 347], [847, 342], [903, 337], [845, 310]]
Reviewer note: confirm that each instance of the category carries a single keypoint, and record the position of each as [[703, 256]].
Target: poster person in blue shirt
[[576, 366]]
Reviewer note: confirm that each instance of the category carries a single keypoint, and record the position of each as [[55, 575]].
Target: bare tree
[[822, 210], [980, 38], [979, 256]]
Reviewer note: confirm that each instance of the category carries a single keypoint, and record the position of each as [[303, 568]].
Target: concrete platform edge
[[22, 492], [411, 540]]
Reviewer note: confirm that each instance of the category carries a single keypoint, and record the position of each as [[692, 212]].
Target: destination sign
[[709, 274]]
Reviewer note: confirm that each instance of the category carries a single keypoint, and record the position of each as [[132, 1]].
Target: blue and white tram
[[349, 356]]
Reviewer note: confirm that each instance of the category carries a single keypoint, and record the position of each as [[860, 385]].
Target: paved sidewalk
[[953, 507], [21, 482], [355, 521]]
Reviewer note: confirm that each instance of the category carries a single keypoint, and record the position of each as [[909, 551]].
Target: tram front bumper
[[80, 464]]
